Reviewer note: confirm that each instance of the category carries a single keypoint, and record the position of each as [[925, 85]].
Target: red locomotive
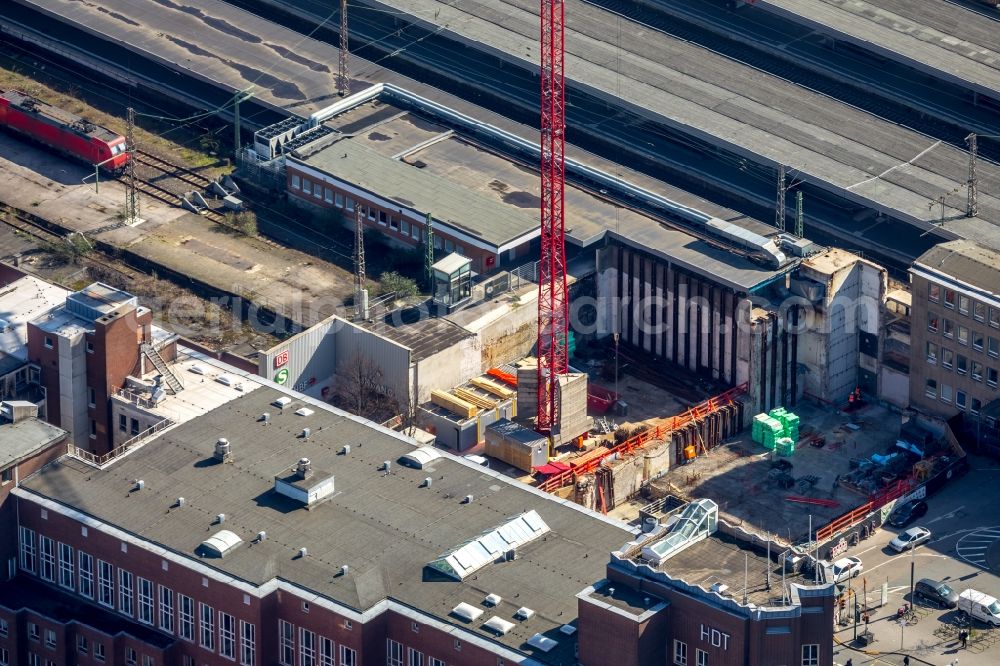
[[68, 133]]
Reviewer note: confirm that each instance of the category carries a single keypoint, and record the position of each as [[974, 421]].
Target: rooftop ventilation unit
[[467, 612], [306, 432], [427, 482], [226, 380], [265, 418], [197, 369], [524, 613], [568, 629], [468, 499], [282, 402], [303, 552], [421, 457], [304, 484], [220, 518], [139, 484], [180, 502], [543, 643], [261, 536], [343, 569], [500, 626], [305, 411], [219, 544], [720, 588], [223, 451], [345, 449], [492, 600]]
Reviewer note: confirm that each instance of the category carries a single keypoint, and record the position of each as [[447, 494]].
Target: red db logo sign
[[281, 359]]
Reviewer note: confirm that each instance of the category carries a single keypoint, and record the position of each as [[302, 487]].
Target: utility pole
[[360, 293], [972, 207], [131, 187], [240, 96], [799, 217], [343, 80], [779, 212], [429, 253]]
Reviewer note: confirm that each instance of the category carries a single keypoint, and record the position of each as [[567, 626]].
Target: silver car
[[911, 538]]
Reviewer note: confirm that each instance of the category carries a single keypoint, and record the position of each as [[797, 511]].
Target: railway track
[[187, 176], [181, 173]]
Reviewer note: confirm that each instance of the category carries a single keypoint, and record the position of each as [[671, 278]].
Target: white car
[[846, 567], [911, 538]]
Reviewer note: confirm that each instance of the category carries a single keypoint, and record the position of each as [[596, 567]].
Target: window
[[318, 191], [949, 302], [4, 629], [248, 642], [145, 601], [7, 475], [932, 352], [701, 657], [680, 653], [945, 393], [50, 639], [415, 232], [371, 213], [307, 187], [328, 195], [350, 203], [993, 347], [207, 626], [458, 646], [4, 657], [394, 223], [434, 661], [187, 660], [978, 311], [977, 341], [977, 371], [33, 631], [81, 644], [976, 405], [147, 660], [166, 609], [414, 658], [33, 659], [394, 653], [349, 657], [27, 550], [994, 317], [382, 217], [185, 617], [810, 653], [437, 243], [130, 657], [46, 558], [948, 328], [135, 426], [991, 377], [287, 636], [960, 399], [86, 575], [227, 635], [930, 390], [339, 200], [296, 182], [307, 647], [98, 651], [122, 423], [126, 594], [963, 304], [962, 366], [48, 342], [947, 358], [933, 292], [404, 227], [93, 428], [66, 566], [448, 245], [963, 335]]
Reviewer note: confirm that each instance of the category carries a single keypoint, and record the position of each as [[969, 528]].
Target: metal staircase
[[173, 383]]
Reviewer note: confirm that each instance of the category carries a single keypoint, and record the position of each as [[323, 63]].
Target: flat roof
[[405, 183], [386, 528], [412, 328], [21, 301], [28, 436], [965, 261], [945, 38]]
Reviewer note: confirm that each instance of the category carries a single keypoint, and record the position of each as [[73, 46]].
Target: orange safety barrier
[[505, 377], [855, 516], [639, 441]]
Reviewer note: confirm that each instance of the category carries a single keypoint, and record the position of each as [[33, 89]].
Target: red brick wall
[[116, 355], [48, 361], [606, 637]]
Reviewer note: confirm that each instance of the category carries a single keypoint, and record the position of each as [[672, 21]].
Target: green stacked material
[[791, 422], [757, 432], [784, 446], [772, 432]]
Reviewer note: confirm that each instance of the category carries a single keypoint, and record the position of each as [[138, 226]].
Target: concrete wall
[[311, 359], [448, 368], [894, 387], [391, 358]]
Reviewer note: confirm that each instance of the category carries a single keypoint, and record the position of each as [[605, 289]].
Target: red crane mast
[[553, 303]]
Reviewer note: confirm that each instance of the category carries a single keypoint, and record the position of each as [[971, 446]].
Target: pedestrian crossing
[[974, 546]]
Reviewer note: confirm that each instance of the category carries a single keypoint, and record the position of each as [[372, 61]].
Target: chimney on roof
[[304, 468], [223, 452]]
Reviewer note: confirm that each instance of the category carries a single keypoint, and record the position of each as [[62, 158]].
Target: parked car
[[907, 512], [479, 460], [937, 592], [846, 567], [911, 538], [980, 606]]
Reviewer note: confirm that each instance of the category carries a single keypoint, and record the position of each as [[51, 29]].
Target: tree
[[361, 389], [243, 222], [403, 286]]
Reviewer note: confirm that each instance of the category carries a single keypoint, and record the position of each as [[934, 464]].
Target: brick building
[[86, 349], [955, 336], [268, 528]]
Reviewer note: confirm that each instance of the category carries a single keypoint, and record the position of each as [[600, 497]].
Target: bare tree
[[361, 389]]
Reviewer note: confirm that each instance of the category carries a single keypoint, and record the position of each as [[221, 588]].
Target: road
[[965, 527]]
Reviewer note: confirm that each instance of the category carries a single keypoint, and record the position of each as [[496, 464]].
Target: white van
[[980, 606]]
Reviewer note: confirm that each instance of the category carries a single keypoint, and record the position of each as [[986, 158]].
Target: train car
[[65, 132]]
